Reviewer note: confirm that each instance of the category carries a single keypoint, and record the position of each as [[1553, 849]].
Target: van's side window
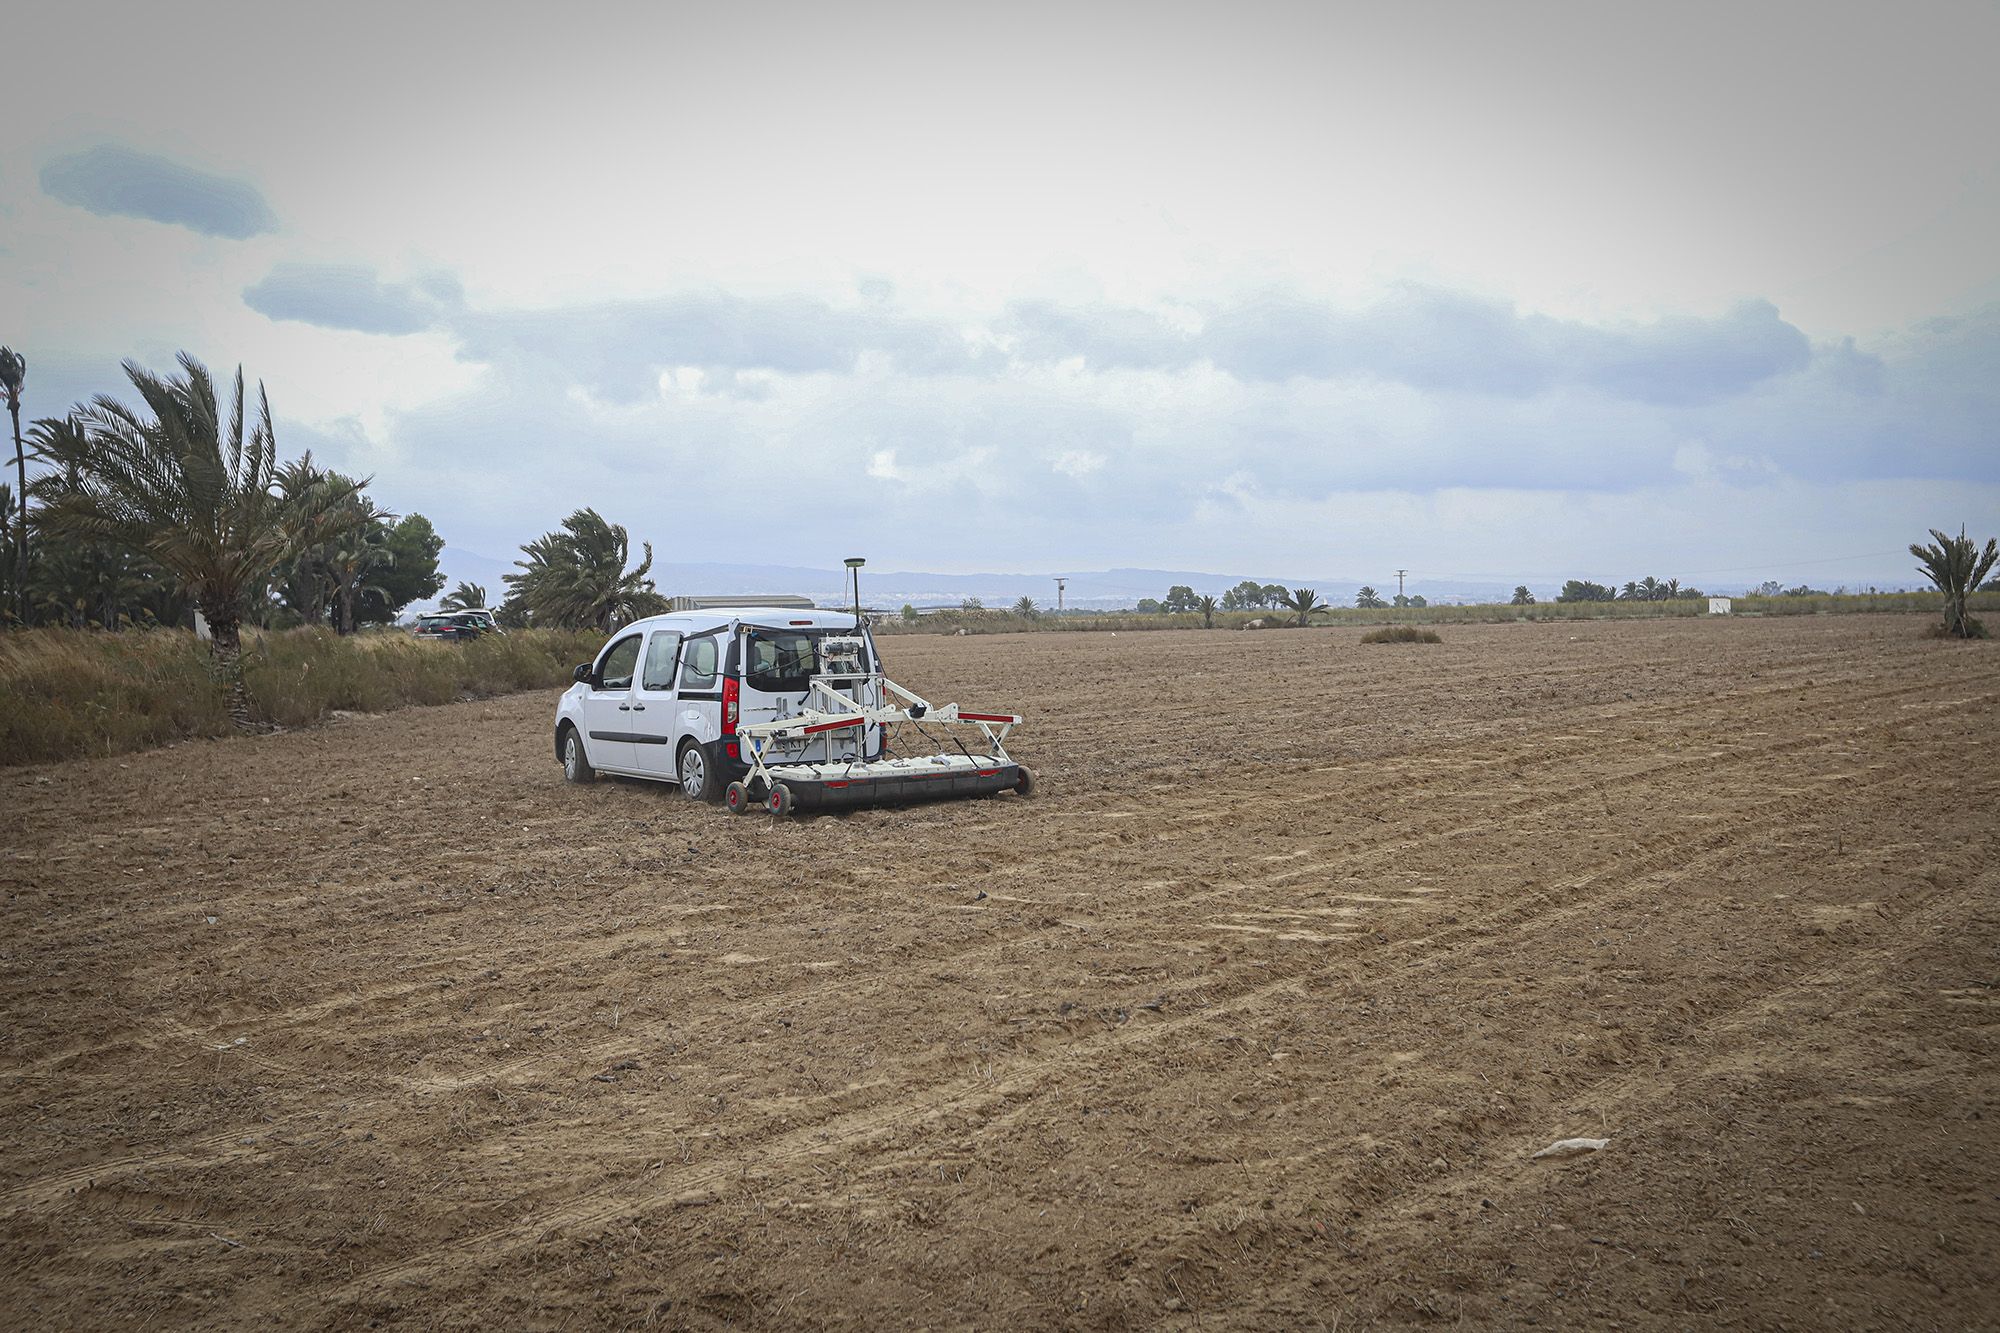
[[698, 665], [659, 672], [616, 672]]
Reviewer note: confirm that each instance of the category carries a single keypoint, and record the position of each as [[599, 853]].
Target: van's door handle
[[624, 708], [638, 708]]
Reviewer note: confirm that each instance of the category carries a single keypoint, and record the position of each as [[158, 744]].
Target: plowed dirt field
[[1251, 1017]]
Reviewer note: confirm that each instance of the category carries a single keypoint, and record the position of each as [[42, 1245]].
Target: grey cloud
[[978, 453], [1107, 337], [114, 181], [1682, 359], [1435, 340], [337, 296], [1425, 389], [1425, 338], [1926, 404], [619, 348]]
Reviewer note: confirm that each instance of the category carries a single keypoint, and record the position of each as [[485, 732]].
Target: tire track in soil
[[1273, 813], [1635, 1090], [611, 942], [1026, 1072], [57, 1187]]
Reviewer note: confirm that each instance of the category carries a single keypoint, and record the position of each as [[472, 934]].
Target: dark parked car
[[457, 626]]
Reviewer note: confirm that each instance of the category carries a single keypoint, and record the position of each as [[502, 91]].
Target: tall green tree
[[1025, 608], [1369, 600], [1245, 596], [1522, 597], [1583, 590], [576, 577], [173, 480], [1956, 566], [1207, 606], [412, 573]]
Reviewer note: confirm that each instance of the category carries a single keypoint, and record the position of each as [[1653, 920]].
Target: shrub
[[66, 693], [1401, 634]]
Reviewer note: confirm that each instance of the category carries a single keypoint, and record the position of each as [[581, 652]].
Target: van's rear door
[[778, 664]]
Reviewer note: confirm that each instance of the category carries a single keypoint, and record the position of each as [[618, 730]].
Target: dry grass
[[68, 693]]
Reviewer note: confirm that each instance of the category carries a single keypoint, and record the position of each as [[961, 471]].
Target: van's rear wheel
[[576, 765], [697, 780]]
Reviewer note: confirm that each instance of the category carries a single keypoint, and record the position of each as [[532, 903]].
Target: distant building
[[783, 601], [1718, 606]]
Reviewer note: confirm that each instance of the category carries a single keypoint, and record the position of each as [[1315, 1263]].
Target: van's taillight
[[732, 691]]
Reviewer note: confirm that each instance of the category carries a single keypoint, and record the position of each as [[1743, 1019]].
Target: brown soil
[[1251, 1017]]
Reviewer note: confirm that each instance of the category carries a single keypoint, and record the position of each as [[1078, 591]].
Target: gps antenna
[[854, 564]]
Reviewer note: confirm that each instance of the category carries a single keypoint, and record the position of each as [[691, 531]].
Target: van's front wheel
[[697, 780], [576, 767]]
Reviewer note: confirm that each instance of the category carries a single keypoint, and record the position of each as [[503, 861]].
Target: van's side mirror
[[582, 674]]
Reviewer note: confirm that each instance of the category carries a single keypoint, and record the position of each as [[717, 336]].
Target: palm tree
[[464, 597], [76, 582], [577, 576], [307, 582], [13, 374], [1369, 599], [359, 549], [1956, 566], [1522, 597], [192, 493], [1025, 608], [7, 605], [1206, 605], [1303, 603]]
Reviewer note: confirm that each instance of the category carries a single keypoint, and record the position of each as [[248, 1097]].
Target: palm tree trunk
[[21, 533], [346, 625], [225, 646]]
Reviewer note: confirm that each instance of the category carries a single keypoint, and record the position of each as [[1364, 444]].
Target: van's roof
[[769, 617]]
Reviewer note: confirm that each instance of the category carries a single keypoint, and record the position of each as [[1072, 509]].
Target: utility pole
[[1059, 594], [1399, 585]]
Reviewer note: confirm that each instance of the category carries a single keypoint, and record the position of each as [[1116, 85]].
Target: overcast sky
[[1506, 291]]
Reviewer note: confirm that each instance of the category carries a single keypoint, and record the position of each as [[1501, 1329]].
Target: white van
[[664, 698]]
